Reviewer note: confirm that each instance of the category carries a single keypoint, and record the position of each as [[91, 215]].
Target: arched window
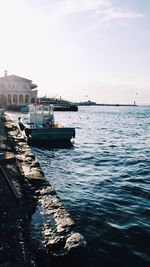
[[9, 99], [27, 99], [15, 99], [3, 100], [21, 99]]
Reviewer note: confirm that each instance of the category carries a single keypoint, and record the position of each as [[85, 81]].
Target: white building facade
[[16, 92]]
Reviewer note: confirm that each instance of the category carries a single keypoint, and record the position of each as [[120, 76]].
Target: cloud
[[103, 8], [76, 6]]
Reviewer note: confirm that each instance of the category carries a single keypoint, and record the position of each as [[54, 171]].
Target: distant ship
[[59, 104]]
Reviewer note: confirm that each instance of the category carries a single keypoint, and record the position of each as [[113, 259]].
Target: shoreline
[[36, 227]]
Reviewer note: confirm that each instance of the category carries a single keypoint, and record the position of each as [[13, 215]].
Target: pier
[[36, 229]]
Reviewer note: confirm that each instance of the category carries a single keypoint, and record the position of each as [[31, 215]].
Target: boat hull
[[51, 135]]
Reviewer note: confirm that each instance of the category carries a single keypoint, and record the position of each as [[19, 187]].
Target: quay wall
[[37, 229]]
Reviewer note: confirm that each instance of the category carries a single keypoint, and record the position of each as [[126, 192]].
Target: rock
[[13, 133], [76, 240], [20, 157], [35, 164], [8, 125], [28, 159], [48, 232], [4, 156], [5, 147], [34, 174], [63, 220], [55, 243], [46, 191], [30, 155]]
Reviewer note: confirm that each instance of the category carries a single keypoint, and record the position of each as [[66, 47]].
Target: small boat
[[41, 127]]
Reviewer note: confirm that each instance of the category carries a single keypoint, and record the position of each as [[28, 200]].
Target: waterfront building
[[16, 92]]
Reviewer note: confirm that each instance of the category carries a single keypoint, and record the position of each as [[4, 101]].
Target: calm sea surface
[[104, 181]]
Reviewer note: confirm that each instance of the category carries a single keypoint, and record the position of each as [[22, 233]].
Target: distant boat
[[66, 108], [59, 104], [41, 127]]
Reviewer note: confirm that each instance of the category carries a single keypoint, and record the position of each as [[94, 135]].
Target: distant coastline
[[91, 103], [117, 105]]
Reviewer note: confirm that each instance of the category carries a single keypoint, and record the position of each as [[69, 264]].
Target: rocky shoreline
[[36, 228]]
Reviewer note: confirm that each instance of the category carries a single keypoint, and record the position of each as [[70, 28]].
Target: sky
[[81, 50]]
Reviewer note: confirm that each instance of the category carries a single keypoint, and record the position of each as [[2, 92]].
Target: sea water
[[104, 181]]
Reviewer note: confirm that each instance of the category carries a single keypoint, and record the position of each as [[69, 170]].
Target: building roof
[[15, 77]]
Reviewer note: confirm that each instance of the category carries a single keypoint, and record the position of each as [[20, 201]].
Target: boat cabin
[[41, 116]]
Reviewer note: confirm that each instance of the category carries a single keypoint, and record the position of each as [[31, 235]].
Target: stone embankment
[[36, 229]]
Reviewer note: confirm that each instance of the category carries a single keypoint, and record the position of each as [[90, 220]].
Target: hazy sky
[[79, 49]]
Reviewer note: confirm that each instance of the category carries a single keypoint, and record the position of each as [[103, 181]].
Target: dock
[[36, 229]]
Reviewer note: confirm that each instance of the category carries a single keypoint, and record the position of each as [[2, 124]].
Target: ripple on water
[[104, 182]]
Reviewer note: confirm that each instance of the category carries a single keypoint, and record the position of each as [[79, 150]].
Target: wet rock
[[8, 125], [48, 232], [29, 154], [74, 241], [20, 138], [47, 190], [35, 164], [63, 220], [22, 147], [13, 133], [50, 202], [32, 173], [35, 174], [28, 159], [6, 156], [5, 147], [20, 157]]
